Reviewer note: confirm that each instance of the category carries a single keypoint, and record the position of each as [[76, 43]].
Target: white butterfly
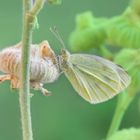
[[94, 78]]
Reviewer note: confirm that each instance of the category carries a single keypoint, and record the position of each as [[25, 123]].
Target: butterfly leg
[[39, 86]]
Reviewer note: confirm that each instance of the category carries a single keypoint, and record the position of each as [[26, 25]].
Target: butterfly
[[94, 78]]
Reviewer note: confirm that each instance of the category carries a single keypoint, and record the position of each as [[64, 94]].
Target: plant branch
[[24, 96], [124, 101], [38, 5]]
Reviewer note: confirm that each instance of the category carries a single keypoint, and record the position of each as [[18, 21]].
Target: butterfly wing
[[94, 78]]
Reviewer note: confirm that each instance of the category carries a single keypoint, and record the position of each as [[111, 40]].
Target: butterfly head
[[64, 59]]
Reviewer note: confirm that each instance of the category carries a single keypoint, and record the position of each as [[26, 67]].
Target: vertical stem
[[124, 100], [24, 97], [30, 11]]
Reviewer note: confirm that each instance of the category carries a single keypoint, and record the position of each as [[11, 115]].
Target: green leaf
[[124, 31], [126, 134], [130, 59], [89, 32]]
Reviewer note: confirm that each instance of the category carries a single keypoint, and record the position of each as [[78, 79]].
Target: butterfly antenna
[[57, 35]]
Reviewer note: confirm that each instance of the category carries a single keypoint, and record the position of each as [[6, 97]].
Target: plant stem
[[24, 96], [124, 100], [135, 5]]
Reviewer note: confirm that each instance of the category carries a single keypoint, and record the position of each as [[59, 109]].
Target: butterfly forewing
[[97, 90], [102, 69], [77, 84], [94, 78]]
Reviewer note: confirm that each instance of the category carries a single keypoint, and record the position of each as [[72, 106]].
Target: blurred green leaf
[[126, 134]]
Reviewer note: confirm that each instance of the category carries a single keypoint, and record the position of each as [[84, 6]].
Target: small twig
[[38, 5]]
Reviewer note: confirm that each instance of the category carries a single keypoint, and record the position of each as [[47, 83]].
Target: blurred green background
[[64, 115]]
